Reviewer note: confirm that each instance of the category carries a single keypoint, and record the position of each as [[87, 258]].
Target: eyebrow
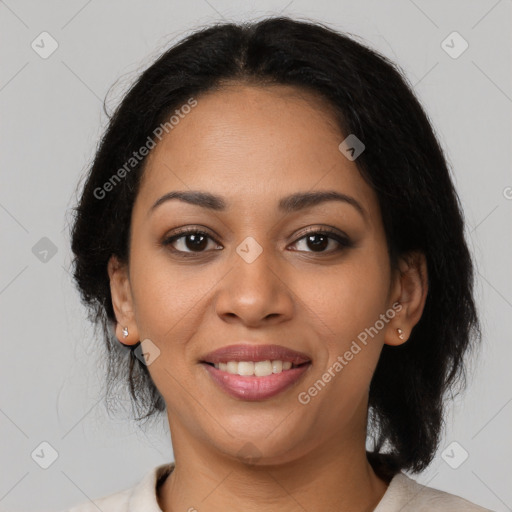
[[288, 204]]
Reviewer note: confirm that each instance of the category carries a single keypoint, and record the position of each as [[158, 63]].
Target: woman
[[270, 232]]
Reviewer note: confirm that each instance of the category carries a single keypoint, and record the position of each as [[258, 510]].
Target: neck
[[334, 476]]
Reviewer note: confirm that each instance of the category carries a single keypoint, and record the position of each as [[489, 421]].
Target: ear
[[122, 301], [410, 289]]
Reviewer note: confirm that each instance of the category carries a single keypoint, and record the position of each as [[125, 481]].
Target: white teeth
[[245, 368], [259, 368], [277, 366], [232, 367], [262, 368]]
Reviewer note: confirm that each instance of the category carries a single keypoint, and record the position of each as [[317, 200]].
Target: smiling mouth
[[255, 368], [256, 380]]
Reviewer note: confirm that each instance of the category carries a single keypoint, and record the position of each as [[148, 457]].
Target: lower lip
[[256, 388]]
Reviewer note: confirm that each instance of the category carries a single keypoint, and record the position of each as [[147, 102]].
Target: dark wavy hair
[[403, 162]]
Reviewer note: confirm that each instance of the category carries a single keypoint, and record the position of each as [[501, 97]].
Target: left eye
[[319, 241]]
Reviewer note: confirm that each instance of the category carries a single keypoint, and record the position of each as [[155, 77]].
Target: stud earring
[[125, 332], [400, 334]]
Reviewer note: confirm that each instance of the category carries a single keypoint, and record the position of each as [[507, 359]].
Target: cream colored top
[[402, 495]]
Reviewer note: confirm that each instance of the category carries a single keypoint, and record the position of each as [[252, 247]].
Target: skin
[[252, 146]]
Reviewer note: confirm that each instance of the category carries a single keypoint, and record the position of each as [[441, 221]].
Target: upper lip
[[247, 352]]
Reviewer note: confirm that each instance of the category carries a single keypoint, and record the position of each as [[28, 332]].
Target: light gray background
[[51, 113]]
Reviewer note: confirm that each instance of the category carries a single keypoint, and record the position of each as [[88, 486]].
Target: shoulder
[[407, 495], [142, 496], [117, 501]]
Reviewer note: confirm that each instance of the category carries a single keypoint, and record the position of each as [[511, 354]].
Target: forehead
[[254, 145]]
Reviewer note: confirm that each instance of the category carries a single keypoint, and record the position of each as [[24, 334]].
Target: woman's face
[[260, 276]]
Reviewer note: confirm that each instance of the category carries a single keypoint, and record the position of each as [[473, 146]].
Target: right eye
[[189, 241]]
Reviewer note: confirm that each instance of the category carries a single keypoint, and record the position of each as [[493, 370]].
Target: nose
[[256, 293]]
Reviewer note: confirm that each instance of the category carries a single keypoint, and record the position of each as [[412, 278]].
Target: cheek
[[170, 298], [162, 294], [345, 304], [351, 296]]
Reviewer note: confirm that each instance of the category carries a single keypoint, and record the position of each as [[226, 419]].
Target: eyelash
[[332, 234]]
